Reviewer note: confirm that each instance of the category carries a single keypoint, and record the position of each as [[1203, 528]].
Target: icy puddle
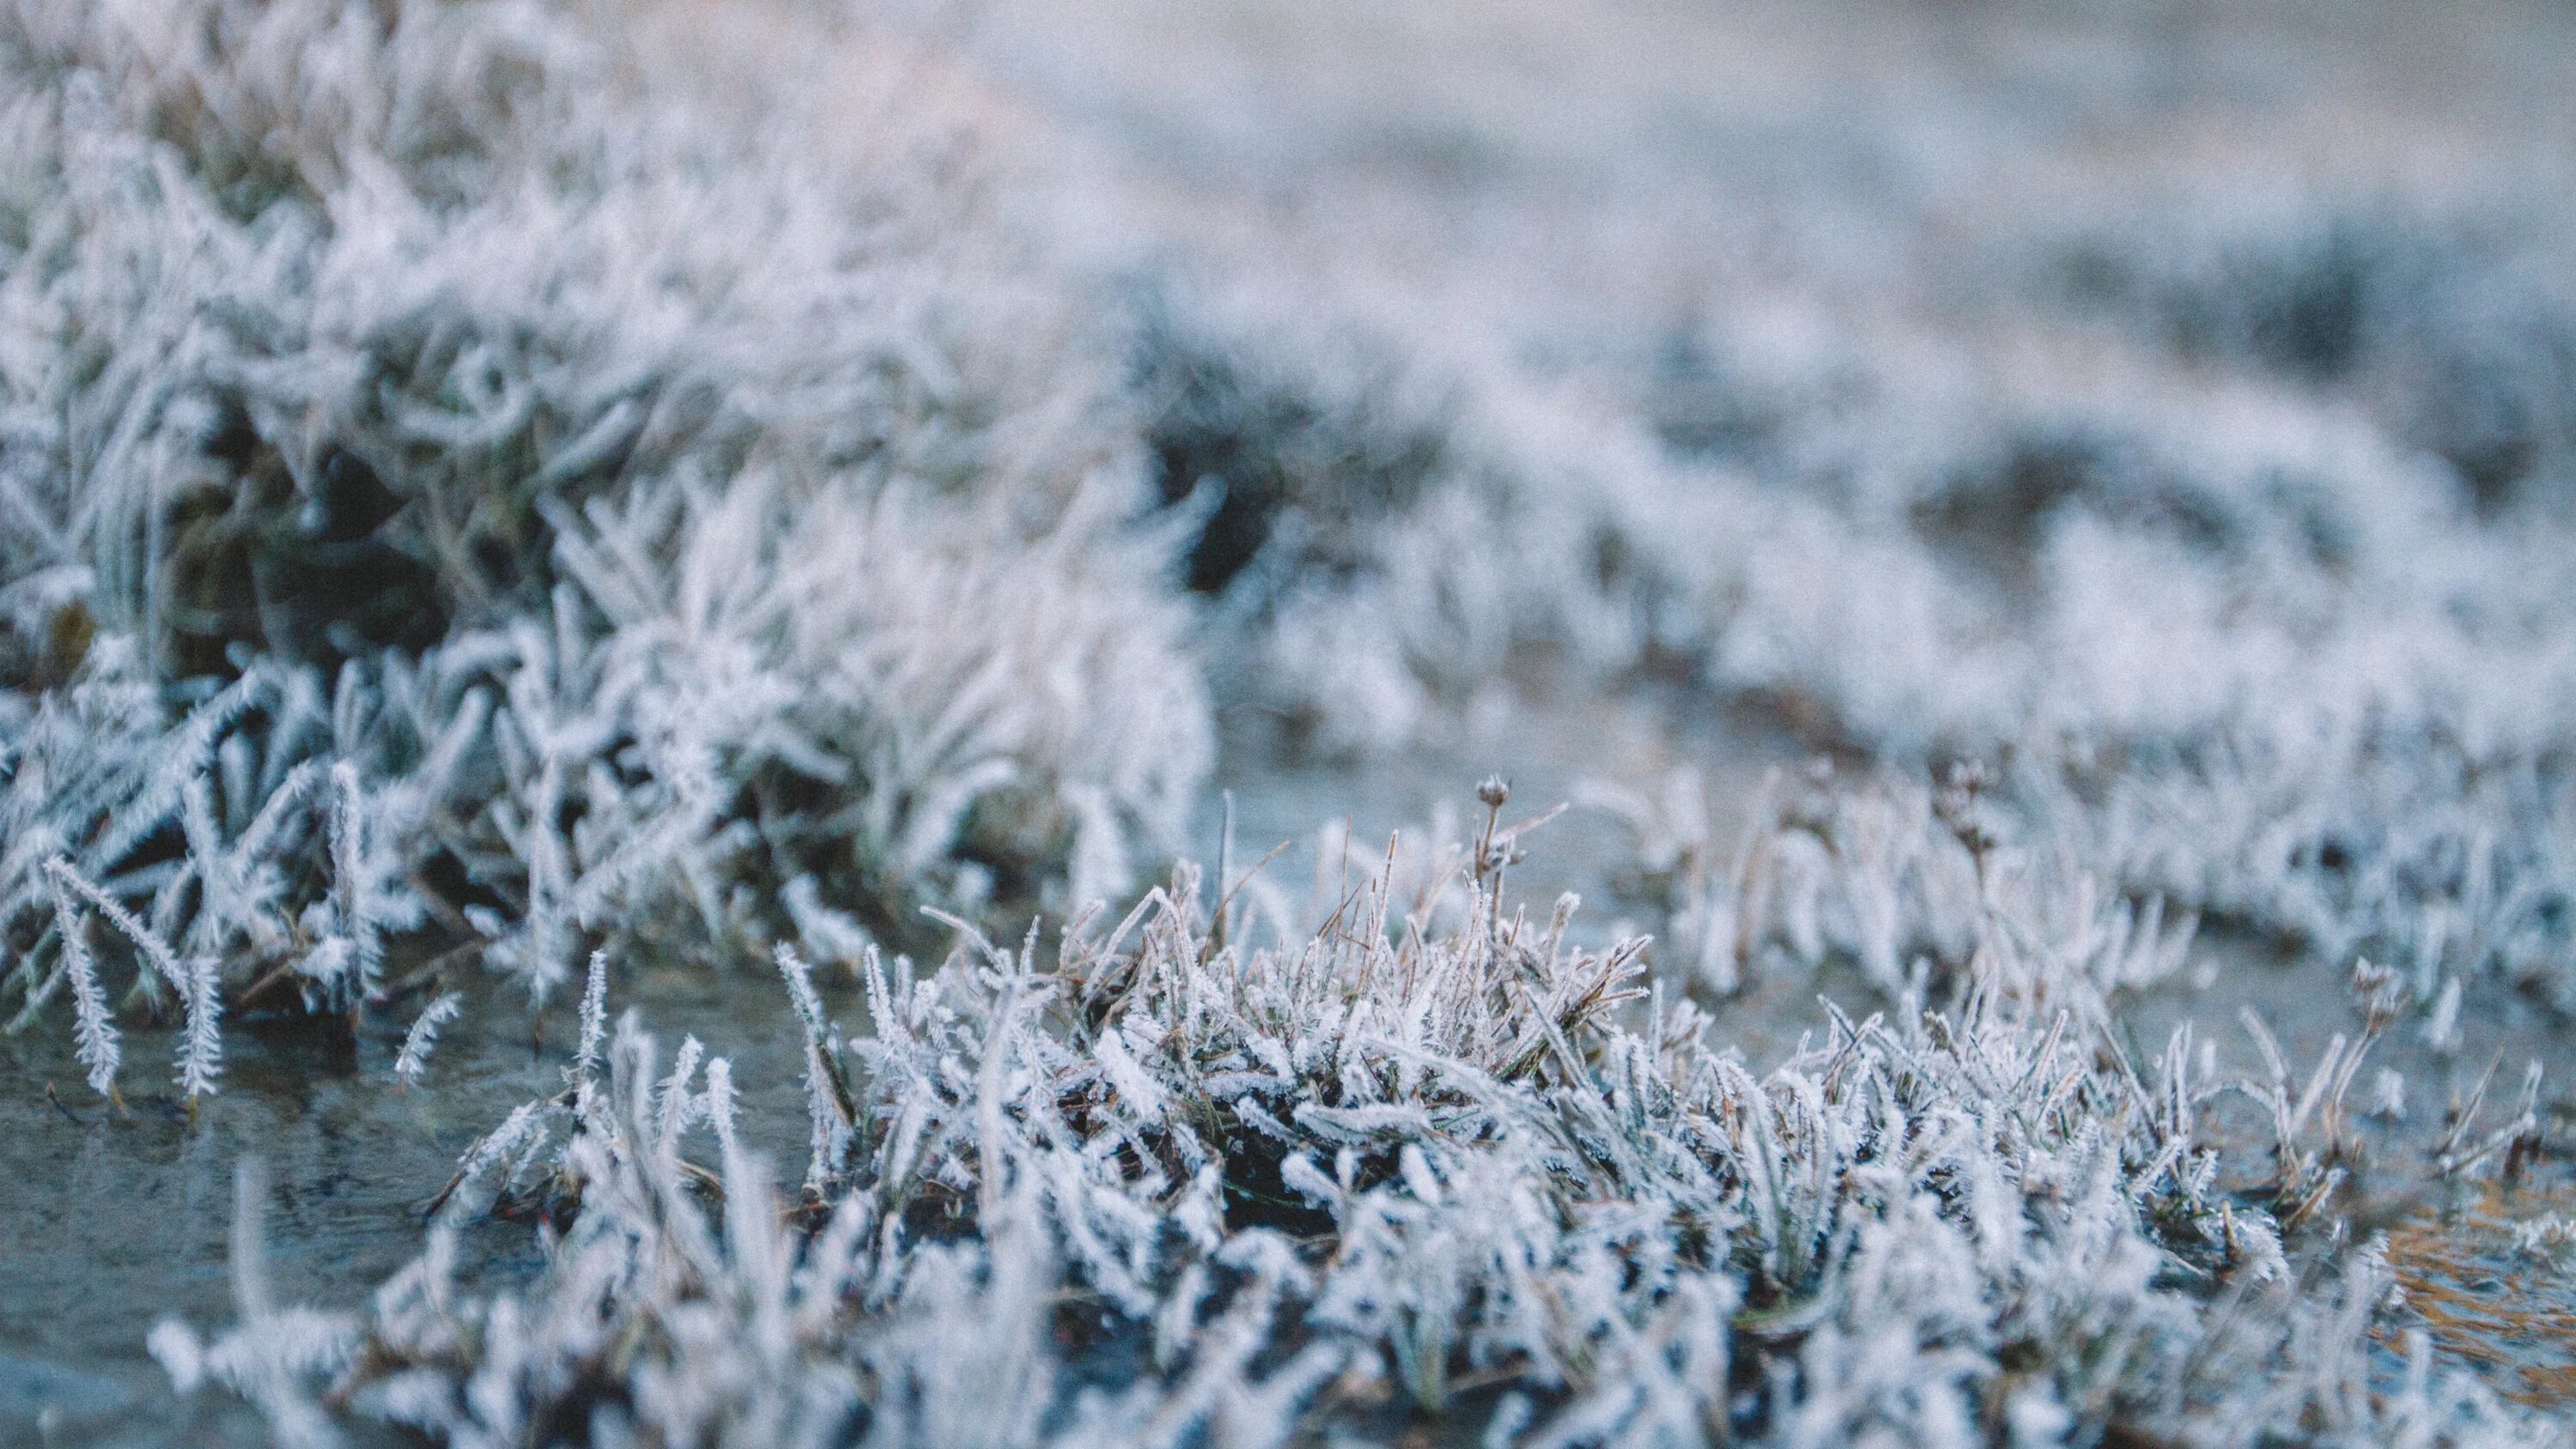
[[2490, 1300]]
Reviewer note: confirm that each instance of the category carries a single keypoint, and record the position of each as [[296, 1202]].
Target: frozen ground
[[2044, 527]]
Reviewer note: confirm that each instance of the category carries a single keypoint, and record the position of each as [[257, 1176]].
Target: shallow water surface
[[115, 1218], [2487, 1304]]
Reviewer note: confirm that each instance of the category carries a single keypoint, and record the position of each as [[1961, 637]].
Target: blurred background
[[787, 464], [1905, 379]]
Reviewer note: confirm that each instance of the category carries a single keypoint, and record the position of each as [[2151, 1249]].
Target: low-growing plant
[[1166, 1189]]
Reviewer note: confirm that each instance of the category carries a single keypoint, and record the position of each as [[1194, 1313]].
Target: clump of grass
[[1161, 1188], [433, 517]]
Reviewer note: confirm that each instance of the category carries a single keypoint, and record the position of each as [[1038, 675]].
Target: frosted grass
[[479, 494]]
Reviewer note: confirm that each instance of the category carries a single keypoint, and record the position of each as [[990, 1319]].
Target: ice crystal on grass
[[412, 1062], [97, 1034]]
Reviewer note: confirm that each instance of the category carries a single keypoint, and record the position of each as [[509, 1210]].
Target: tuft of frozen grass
[[1907, 881], [1167, 1188], [430, 507]]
